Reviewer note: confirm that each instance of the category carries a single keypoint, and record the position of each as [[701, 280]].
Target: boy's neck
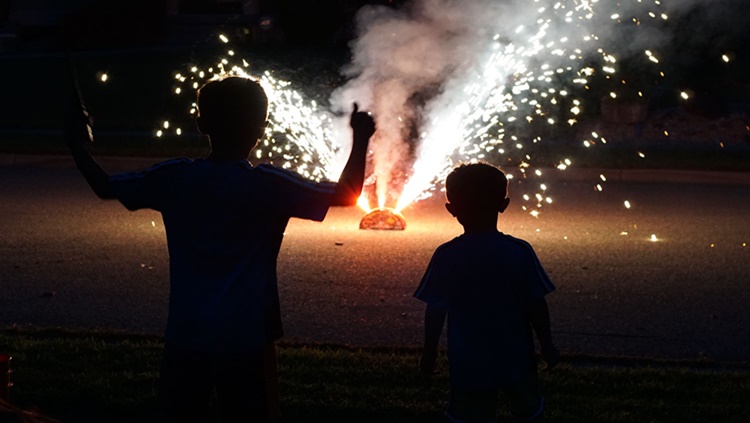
[[226, 156], [230, 147], [478, 222], [480, 228]]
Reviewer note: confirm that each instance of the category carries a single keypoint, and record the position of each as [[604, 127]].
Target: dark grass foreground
[[91, 376]]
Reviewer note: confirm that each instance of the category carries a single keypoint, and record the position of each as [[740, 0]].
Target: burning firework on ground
[[454, 83], [383, 218]]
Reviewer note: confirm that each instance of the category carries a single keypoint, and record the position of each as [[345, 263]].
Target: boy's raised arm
[[349, 187], [77, 135]]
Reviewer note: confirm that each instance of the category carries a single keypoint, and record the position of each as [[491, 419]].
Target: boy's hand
[[79, 121], [362, 124], [428, 363], [78, 117]]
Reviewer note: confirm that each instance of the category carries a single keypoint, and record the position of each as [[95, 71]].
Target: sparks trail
[[300, 135]]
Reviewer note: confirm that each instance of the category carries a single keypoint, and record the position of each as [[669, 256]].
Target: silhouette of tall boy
[[491, 287], [224, 221]]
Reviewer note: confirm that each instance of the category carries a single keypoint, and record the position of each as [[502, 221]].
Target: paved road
[[685, 296]]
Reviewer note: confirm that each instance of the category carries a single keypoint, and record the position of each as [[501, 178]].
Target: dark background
[[141, 43]]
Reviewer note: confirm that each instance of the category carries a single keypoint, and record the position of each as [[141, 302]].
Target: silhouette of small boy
[[491, 287], [224, 221]]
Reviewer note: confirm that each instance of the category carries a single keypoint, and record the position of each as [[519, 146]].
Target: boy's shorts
[[475, 406]]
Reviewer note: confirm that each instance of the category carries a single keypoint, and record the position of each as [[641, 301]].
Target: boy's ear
[[503, 204], [260, 131], [451, 209], [201, 125]]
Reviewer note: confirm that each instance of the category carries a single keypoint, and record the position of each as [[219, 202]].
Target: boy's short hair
[[232, 101], [476, 185]]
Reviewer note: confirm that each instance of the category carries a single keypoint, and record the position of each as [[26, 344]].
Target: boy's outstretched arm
[[349, 187], [77, 136], [539, 317], [434, 319]]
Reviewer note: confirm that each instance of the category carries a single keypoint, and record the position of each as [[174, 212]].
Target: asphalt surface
[[69, 259]]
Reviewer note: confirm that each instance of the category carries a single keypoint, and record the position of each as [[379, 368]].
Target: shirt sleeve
[[434, 288], [540, 283], [294, 196], [148, 189]]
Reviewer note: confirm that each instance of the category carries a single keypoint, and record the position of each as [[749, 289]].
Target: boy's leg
[[471, 406], [526, 400], [247, 389], [185, 386]]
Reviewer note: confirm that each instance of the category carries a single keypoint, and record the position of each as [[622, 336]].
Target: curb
[[122, 164]]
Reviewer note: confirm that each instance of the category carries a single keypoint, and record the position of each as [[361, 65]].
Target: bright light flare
[[364, 203]]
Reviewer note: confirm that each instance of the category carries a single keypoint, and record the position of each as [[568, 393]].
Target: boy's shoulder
[[485, 238], [270, 169], [449, 245], [173, 162], [291, 178], [157, 169], [494, 241], [518, 241]]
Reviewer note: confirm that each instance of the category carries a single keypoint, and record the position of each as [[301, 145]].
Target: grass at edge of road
[[91, 375]]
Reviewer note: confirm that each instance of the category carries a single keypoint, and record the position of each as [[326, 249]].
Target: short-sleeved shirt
[[224, 223], [486, 283]]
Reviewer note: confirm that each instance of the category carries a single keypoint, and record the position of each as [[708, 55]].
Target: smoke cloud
[[435, 70]]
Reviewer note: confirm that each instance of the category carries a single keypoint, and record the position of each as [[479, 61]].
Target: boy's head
[[232, 110], [476, 190]]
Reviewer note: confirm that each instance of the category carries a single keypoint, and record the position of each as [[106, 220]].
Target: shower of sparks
[[518, 83], [300, 136], [516, 91]]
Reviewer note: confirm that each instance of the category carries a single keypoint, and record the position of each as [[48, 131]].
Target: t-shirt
[[224, 222], [486, 283]]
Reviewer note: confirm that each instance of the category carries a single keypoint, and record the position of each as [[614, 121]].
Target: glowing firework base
[[387, 219]]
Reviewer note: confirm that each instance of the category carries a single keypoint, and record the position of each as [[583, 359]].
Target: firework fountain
[[452, 82]]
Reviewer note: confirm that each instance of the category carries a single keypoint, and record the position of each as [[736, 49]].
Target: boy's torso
[[491, 280], [224, 225]]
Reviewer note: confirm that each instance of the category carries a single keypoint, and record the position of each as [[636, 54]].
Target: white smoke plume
[[442, 76]]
